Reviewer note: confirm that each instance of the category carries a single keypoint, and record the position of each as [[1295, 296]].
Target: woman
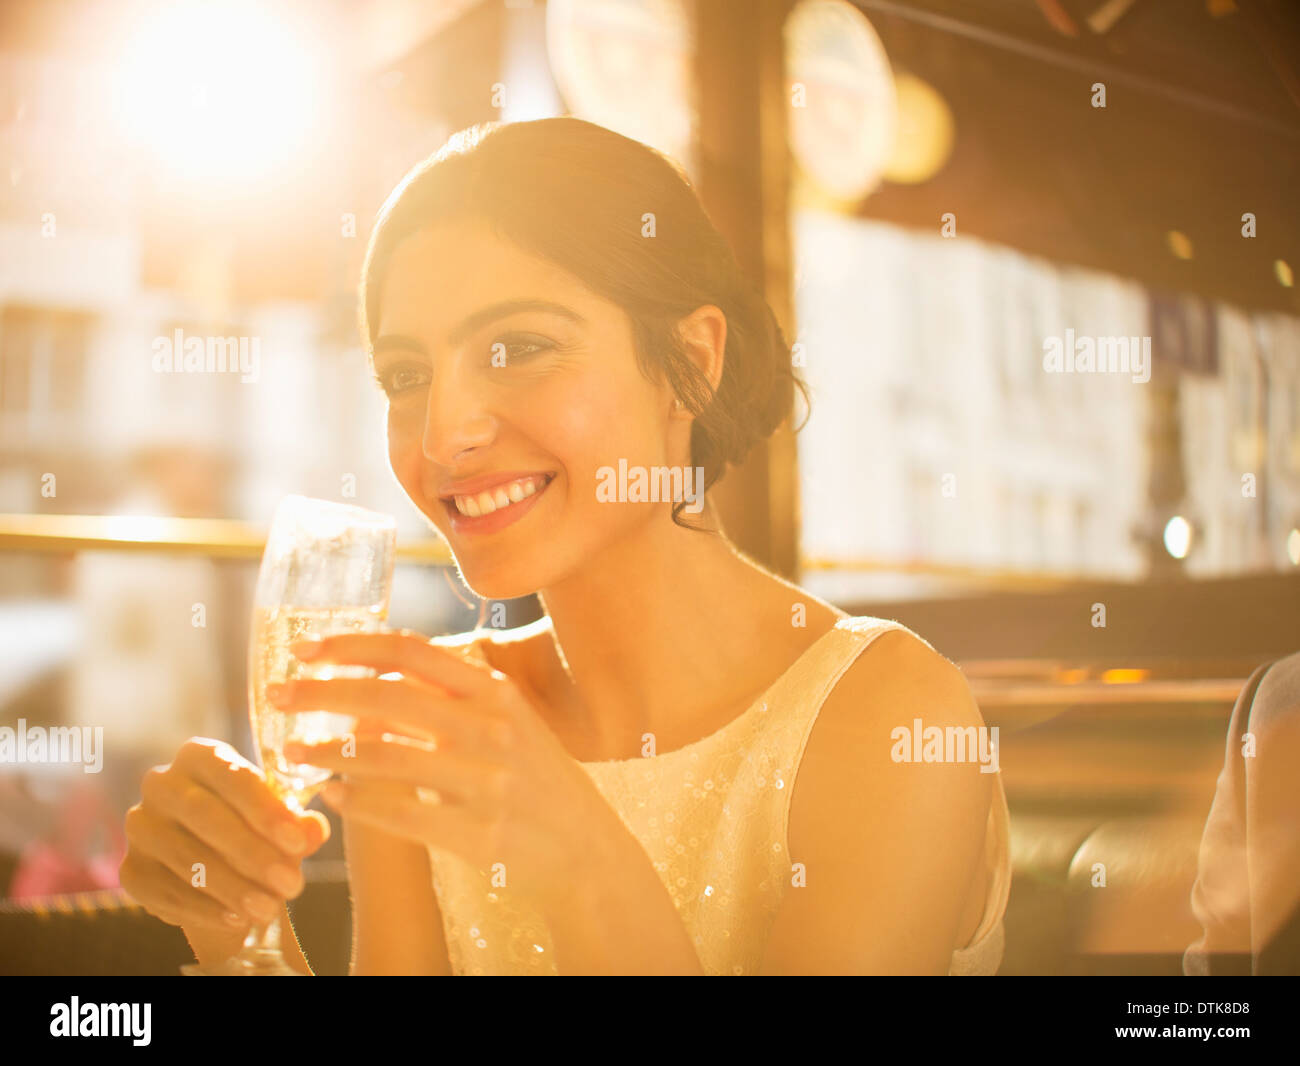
[[688, 765]]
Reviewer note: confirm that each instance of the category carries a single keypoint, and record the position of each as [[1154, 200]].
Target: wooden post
[[744, 174]]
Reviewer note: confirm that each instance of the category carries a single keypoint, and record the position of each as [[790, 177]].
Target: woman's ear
[[704, 335]]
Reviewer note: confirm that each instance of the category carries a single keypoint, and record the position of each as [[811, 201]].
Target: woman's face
[[509, 385]]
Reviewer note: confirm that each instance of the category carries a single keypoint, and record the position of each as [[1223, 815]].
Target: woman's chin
[[488, 584]]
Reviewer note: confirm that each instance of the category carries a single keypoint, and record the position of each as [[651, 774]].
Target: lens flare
[[218, 92]]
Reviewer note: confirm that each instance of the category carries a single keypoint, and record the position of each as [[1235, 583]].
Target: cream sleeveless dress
[[713, 818]]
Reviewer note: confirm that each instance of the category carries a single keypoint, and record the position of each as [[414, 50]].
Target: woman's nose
[[455, 421]]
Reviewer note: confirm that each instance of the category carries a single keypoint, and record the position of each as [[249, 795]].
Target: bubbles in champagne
[[271, 662]]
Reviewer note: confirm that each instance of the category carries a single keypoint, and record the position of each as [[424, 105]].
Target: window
[[43, 357]]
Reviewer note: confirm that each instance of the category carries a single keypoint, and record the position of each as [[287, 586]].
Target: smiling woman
[[685, 766], [624, 223]]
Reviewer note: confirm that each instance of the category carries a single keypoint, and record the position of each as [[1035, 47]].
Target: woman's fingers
[[172, 900], [457, 778], [210, 821], [224, 773], [414, 708], [322, 824], [209, 844], [211, 873], [399, 810], [404, 652], [210, 841]]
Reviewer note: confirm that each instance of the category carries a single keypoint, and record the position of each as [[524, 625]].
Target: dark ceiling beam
[[1099, 68], [1278, 40]]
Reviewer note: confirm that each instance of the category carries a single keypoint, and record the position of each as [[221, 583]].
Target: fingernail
[[277, 692], [231, 918], [305, 649], [283, 880], [260, 906], [291, 839]]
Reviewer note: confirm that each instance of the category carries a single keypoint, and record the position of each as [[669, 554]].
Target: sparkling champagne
[[271, 662]]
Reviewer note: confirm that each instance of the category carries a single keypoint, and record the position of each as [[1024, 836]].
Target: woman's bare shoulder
[[901, 663]]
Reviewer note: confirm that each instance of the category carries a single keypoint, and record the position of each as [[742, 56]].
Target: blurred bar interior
[[926, 190]]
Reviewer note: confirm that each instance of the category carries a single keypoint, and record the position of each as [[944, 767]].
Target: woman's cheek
[[405, 453], [588, 417]]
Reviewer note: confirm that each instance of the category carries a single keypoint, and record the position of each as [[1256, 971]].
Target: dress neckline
[[743, 716]]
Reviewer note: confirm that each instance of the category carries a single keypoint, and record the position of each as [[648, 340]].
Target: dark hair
[[576, 193]]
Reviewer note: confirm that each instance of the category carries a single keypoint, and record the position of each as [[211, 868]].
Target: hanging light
[[843, 110], [925, 132]]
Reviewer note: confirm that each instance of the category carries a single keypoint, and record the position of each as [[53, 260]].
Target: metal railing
[[229, 539], [212, 537]]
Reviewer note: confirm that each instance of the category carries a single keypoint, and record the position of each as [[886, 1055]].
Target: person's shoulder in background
[[1247, 890]]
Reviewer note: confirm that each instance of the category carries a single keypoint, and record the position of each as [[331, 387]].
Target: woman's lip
[[498, 519], [474, 485]]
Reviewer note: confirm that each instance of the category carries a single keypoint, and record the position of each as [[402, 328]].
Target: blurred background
[[929, 192]]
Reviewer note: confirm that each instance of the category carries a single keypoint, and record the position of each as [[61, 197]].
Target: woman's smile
[[491, 502]]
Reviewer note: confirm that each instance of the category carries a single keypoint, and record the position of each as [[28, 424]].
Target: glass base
[[260, 964]]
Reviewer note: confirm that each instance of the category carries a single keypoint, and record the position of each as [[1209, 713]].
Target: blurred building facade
[[81, 324], [937, 436]]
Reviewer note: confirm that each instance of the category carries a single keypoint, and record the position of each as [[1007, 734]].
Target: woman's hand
[[210, 847], [507, 790]]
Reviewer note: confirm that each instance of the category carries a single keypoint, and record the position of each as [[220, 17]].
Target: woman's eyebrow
[[475, 321], [509, 307], [399, 340]]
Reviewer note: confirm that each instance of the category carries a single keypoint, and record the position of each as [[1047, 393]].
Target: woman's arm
[[396, 921], [890, 849]]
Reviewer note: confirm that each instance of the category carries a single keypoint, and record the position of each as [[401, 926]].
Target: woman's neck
[[660, 625]]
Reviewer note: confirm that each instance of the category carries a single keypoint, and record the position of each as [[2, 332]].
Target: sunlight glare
[[217, 91]]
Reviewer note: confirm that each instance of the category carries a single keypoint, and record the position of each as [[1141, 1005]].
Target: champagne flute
[[327, 568]]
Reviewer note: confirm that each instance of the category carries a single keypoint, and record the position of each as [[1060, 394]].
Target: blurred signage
[[843, 109], [626, 65]]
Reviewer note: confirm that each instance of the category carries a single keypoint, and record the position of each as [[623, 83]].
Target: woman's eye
[[399, 379], [517, 348]]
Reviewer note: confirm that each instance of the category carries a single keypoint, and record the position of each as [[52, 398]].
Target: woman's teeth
[[484, 503]]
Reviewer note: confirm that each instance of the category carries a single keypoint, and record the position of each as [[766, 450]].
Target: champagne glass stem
[[264, 938]]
